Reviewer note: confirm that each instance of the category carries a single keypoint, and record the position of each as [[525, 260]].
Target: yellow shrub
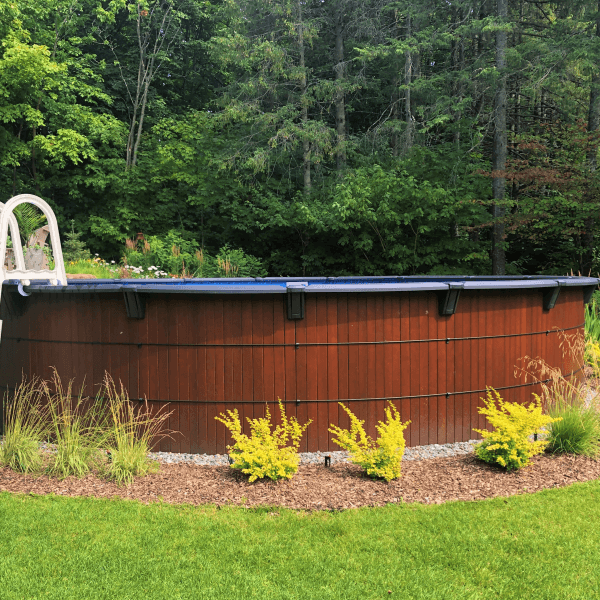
[[592, 357], [380, 458], [266, 452], [509, 445]]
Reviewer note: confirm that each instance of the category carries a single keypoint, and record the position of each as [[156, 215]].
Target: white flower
[[112, 262]]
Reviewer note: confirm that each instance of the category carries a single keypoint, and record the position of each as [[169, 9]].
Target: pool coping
[[281, 285]]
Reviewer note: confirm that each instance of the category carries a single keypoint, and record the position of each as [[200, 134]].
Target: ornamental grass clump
[[381, 457], [509, 445], [592, 327], [569, 398], [267, 451], [131, 432], [577, 432], [78, 430], [25, 428]]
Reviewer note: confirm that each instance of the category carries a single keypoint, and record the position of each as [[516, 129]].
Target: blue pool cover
[[280, 285]]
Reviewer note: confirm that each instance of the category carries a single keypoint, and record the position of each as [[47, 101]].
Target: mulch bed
[[339, 487]]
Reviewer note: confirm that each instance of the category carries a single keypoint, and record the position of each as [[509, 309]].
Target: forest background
[[323, 137]]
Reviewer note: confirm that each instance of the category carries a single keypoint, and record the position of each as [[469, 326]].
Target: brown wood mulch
[[317, 487]]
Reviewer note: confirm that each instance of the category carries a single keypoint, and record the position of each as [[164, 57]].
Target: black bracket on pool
[[551, 296], [295, 299], [135, 304], [448, 300]]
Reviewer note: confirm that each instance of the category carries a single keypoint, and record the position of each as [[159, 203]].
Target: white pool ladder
[[56, 276]]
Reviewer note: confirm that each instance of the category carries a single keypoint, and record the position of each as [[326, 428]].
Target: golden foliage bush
[[267, 452], [381, 457], [509, 445]]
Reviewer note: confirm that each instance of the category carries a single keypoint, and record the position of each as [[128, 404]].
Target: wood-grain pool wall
[[206, 353]]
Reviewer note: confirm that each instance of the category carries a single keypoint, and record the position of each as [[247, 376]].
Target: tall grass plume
[[570, 397], [78, 429], [26, 425], [131, 432]]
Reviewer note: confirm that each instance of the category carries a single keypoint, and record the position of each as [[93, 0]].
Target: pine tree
[[73, 248]]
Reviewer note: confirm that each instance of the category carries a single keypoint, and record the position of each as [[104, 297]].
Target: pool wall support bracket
[[295, 300], [588, 292], [448, 299], [551, 296], [135, 304]]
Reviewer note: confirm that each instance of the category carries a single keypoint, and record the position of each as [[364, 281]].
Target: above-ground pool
[[431, 345]]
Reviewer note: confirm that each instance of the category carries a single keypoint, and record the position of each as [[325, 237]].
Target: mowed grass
[[545, 546]]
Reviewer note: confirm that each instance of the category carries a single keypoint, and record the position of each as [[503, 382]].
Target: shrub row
[[273, 453], [267, 452]]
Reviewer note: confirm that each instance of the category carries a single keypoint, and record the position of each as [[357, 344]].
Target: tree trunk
[[458, 63], [304, 101], [516, 95], [340, 107], [134, 117], [499, 148], [33, 164], [134, 129], [407, 82], [142, 114], [394, 117], [592, 160], [395, 114]]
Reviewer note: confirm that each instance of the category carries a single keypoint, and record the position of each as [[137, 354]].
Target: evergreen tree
[[73, 248]]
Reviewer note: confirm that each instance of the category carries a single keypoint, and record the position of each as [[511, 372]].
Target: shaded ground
[[317, 487]]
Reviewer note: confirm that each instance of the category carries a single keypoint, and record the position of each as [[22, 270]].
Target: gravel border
[[307, 458], [318, 458]]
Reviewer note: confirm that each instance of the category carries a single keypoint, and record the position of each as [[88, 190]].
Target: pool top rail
[[281, 285]]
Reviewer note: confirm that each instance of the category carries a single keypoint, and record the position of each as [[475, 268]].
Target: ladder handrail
[[7, 217], [16, 238]]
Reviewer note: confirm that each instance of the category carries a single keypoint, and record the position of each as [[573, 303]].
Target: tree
[[593, 125], [500, 143], [48, 95], [158, 28], [269, 97]]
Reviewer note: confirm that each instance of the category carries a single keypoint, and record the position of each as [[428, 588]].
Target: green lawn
[[538, 546]]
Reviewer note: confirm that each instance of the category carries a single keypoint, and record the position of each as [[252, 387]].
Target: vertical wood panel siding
[[245, 352]]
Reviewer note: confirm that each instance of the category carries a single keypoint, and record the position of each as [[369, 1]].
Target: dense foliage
[[269, 451], [322, 138], [509, 444], [382, 457]]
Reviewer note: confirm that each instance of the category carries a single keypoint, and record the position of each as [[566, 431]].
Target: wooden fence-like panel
[[205, 354]]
